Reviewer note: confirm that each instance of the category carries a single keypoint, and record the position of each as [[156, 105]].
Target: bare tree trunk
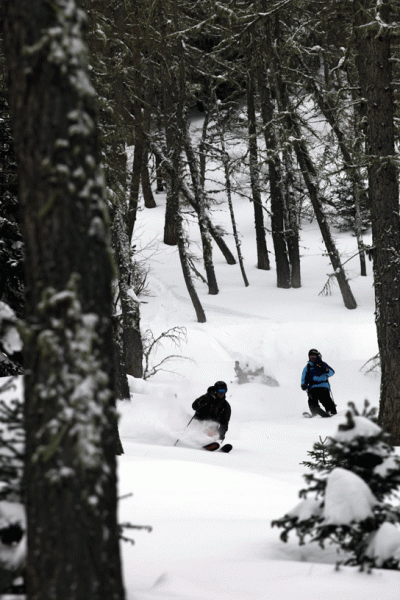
[[374, 63], [311, 180], [200, 202], [203, 149], [200, 314], [262, 251], [148, 197], [70, 421], [188, 195], [228, 189], [283, 274], [292, 218], [135, 182], [130, 308], [349, 162], [159, 175], [148, 93], [138, 138]]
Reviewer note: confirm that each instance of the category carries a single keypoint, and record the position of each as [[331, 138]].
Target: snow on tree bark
[[373, 33], [70, 478]]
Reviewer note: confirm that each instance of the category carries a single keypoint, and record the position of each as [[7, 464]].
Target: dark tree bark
[[148, 197], [283, 274], [121, 381], [350, 161], [188, 195], [135, 180], [159, 175], [170, 100], [11, 248], [200, 202], [130, 308], [292, 220], [310, 177], [148, 93], [262, 251], [70, 470], [374, 63], [228, 189]]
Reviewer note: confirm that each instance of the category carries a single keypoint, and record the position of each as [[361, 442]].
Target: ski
[[211, 447], [226, 448], [308, 415], [215, 446]]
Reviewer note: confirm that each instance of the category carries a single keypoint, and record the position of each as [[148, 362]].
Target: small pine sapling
[[354, 479]]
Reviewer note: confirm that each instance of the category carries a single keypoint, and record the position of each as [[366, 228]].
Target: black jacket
[[211, 408]]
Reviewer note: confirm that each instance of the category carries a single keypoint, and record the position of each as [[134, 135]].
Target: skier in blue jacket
[[314, 380]]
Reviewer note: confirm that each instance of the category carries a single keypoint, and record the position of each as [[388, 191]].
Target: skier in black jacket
[[213, 406]]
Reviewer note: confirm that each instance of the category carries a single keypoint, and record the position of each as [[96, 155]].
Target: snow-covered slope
[[211, 512]]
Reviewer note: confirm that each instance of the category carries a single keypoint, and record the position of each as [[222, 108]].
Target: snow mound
[[384, 544], [348, 498], [363, 428], [306, 509]]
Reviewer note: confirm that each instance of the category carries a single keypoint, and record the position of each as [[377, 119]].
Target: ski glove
[[304, 387]]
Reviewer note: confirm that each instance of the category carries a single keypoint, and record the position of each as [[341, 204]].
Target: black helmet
[[314, 351], [221, 387]]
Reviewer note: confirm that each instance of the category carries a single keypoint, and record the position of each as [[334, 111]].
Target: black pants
[[321, 395]]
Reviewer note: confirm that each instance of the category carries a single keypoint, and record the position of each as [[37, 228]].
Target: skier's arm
[[201, 406], [304, 379], [224, 419], [329, 371]]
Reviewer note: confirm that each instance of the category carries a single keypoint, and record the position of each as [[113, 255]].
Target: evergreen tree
[[354, 477]]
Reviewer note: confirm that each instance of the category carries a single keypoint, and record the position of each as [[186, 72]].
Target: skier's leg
[[315, 397], [312, 403], [327, 402]]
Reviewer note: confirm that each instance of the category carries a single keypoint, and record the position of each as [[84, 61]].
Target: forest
[[96, 101]]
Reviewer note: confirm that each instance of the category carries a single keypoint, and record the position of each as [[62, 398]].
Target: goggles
[[221, 391]]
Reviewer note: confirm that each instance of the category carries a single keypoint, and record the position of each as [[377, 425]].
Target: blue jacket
[[316, 375]]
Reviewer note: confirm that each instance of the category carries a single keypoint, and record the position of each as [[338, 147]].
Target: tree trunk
[[283, 274], [292, 221], [228, 189], [135, 182], [138, 138], [121, 381], [187, 194], [159, 175], [70, 465], [375, 71], [148, 197], [262, 251], [130, 309], [311, 180], [349, 163], [200, 202]]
